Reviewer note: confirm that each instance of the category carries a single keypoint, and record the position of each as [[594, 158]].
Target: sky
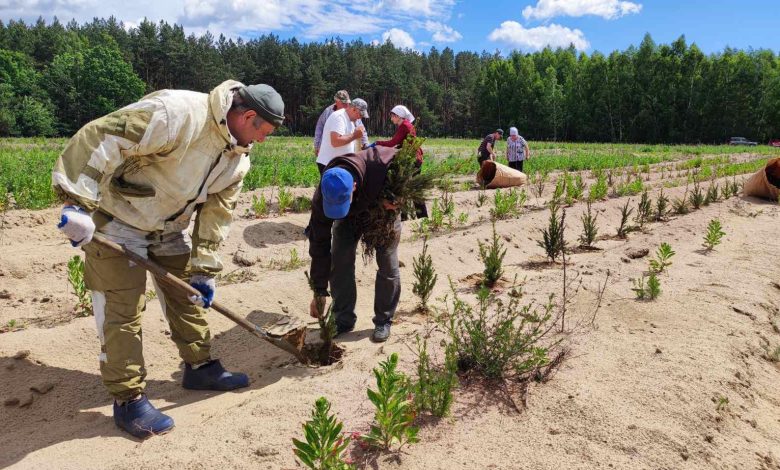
[[500, 25]]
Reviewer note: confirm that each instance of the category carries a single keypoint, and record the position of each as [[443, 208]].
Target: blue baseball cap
[[336, 188]]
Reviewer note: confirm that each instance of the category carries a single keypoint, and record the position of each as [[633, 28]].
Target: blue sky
[[504, 25]]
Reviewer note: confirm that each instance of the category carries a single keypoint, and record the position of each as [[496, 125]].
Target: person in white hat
[[517, 150]]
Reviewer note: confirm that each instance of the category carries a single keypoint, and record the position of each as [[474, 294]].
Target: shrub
[[76, 280], [538, 180], [504, 342], [574, 189], [649, 291], [553, 240], [680, 206], [713, 194], [492, 256], [285, 199], [598, 190], [301, 204], [662, 258], [394, 409], [507, 205], [260, 206], [325, 444], [639, 287], [589, 228], [661, 207], [630, 188], [653, 286], [643, 210], [624, 228], [560, 189], [433, 389], [425, 276], [696, 197], [714, 235], [481, 198], [437, 218]]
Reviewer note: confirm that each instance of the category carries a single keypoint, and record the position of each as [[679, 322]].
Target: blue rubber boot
[[141, 419], [212, 376]]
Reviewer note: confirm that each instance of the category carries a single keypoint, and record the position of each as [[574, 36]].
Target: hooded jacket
[[369, 168], [156, 162]]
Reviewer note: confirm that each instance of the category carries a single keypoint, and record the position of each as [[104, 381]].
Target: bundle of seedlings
[[329, 352], [404, 186]]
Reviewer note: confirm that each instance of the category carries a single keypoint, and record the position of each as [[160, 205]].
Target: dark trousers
[[387, 287], [517, 165]]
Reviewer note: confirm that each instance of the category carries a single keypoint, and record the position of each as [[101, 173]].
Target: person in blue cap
[[350, 185]]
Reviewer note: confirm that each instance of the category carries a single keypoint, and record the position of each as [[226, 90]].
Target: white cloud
[[400, 38], [309, 19], [442, 32], [516, 36], [423, 7], [607, 9]]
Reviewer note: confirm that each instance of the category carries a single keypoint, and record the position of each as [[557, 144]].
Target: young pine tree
[[589, 228], [425, 276], [552, 240], [492, 256]]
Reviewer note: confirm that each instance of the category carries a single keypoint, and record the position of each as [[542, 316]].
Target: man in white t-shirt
[[339, 134]]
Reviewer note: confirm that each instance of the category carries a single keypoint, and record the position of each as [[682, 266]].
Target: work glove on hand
[[77, 224], [371, 145], [206, 286]]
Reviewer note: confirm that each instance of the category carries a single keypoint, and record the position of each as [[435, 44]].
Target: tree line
[[54, 78]]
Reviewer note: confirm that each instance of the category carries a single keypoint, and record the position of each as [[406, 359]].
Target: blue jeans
[[387, 287]]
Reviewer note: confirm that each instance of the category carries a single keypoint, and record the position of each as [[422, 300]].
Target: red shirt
[[403, 130]]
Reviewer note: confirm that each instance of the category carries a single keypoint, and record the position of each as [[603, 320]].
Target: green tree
[[88, 84]]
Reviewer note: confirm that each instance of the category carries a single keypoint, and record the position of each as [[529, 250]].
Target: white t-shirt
[[339, 123]]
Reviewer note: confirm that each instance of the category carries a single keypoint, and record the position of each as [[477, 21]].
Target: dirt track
[[641, 389]]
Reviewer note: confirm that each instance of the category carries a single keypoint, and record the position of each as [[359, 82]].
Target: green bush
[[394, 416], [498, 340], [433, 388], [325, 444]]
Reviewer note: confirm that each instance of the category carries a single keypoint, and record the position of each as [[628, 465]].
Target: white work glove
[[206, 286], [77, 224]]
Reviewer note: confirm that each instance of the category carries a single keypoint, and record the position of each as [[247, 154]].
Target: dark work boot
[[212, 376], [141, 419]]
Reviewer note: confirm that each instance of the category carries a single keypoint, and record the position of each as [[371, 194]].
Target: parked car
[[774, 143], [741, 141]]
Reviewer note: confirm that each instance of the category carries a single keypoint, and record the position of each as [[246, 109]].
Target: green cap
[[265, 101]]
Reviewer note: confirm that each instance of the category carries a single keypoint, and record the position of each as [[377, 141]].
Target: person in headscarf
[[517, 150], [403, 118]]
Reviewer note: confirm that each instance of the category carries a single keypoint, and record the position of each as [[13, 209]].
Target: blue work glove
[[77, 224], [206, 286], [371, 145]]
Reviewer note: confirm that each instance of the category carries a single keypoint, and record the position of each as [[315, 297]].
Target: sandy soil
[[645, 387]]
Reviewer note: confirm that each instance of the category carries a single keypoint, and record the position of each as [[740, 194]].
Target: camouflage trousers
[[119, 297]]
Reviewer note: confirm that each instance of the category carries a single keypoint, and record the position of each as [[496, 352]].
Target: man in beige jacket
[[137, 176]]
